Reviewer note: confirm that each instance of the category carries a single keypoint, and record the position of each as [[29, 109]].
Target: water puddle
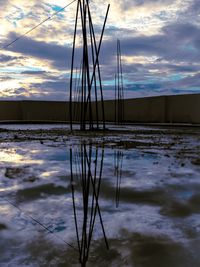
[[82, 203]]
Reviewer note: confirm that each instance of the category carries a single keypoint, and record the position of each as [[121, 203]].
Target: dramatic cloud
[[6, 58], [59, 55], [160, 42]]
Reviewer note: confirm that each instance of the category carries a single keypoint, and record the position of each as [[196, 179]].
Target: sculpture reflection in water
[[118, 164], [86, 164]]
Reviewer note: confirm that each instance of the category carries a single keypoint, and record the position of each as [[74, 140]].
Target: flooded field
[[126, 197]]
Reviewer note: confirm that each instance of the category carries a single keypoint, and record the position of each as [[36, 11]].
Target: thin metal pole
[[72, 66], [118, 84], [97, 51], [122, 84], [95, 80], [115, 99]]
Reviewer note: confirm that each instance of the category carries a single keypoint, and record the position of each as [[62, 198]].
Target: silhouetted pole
[[116, 99], [72, 66], [97, 50], [119, 88], [122, 83]]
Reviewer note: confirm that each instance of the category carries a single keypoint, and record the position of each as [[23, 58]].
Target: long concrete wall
[[182, 108], [163, 109]]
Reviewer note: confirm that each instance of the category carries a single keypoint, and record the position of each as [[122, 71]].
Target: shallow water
[[144, 187]]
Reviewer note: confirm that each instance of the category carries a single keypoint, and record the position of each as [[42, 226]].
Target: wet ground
[[126, 197]]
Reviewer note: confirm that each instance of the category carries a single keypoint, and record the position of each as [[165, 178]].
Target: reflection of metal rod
[[118, 164], [73, 199], [96, 195], [38, 223], [87, 170]]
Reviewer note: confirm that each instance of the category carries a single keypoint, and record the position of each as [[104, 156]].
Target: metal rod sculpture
[[90, 72], [86, 174], [119, 88]]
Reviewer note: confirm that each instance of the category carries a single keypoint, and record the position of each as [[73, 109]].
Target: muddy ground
[[149, 195]]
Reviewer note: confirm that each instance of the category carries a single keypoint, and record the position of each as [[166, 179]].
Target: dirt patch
[[196, 161], [158, 251], [42, 191], [195, 202], [13, 173], [177, 209], [2, 227]]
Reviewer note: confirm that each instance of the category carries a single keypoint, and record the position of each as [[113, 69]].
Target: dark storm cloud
[[176, 68], [51, 90], [146, 2], [60, 56], [20, 91], [37, 73], [3, 3], [5, 58], [177, 48], [127, 4], [194, 8], [143, 86], [24, 94], [172, 68], [176, 42], [5, 78], [184, 34], [184, 85], [51, 86], [188, 82]]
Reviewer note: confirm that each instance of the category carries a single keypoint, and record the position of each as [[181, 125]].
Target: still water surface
[[83, 203]]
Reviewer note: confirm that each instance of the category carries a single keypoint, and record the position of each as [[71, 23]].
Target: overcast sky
[[160, 42]]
